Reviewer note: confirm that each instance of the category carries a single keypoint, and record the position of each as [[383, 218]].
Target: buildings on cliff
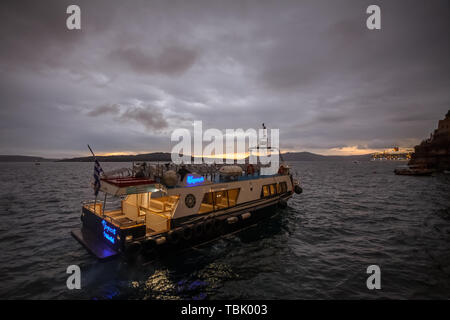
[[396, 153], [434, 152]]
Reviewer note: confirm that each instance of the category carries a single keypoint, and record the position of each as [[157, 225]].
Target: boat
[[170, 206], [413, 170]]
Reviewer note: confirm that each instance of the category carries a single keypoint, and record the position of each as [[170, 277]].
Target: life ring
[[187, 232], [189, 200], [250, 169], [174, 236]]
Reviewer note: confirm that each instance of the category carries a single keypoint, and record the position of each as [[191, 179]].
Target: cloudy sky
[[139, 69]]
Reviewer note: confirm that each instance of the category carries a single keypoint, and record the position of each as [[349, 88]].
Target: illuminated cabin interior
[[218, 200], [157, 212]]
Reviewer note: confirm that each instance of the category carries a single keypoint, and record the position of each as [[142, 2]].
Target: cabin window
[[232, 197], [218, 200], [282, 187], [207, 204], [273, 189], [265, 191], [268, 190]]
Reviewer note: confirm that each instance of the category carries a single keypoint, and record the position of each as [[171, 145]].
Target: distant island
[[16, 158], [166, 157], [155, 156]]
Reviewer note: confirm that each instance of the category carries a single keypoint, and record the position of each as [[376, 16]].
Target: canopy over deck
[[144, 178], [131, 185]]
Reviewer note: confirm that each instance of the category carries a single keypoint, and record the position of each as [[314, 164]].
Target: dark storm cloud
[[172, 61], [150, 117], [139, 69], [104, 109], [147, 115]]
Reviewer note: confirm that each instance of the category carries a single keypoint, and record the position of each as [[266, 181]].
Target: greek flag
[[97, 171]]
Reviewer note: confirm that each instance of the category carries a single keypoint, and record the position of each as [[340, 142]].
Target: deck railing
[[162, 221], [97, 208]]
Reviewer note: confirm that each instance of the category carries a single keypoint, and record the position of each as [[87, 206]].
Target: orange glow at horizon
[[352, 151], [117, 153], [235, 155], [343, 151], [226, 156]]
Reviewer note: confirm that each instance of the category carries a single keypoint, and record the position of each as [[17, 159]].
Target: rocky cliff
[[434, 152]]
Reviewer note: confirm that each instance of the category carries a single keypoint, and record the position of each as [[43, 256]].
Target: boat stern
[[103, 236]]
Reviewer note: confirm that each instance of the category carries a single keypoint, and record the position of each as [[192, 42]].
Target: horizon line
[[137, 154]]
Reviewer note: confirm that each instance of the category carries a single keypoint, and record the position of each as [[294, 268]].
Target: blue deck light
[[109, 233], [191, 180]]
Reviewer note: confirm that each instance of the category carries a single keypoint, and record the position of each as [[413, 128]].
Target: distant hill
[[302, 156], [15, 158], [166, 157], [156, 156]]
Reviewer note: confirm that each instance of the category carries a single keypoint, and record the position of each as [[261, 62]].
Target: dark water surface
[[349, 216]]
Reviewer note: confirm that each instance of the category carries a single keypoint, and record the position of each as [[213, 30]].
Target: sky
[[137, 70]]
